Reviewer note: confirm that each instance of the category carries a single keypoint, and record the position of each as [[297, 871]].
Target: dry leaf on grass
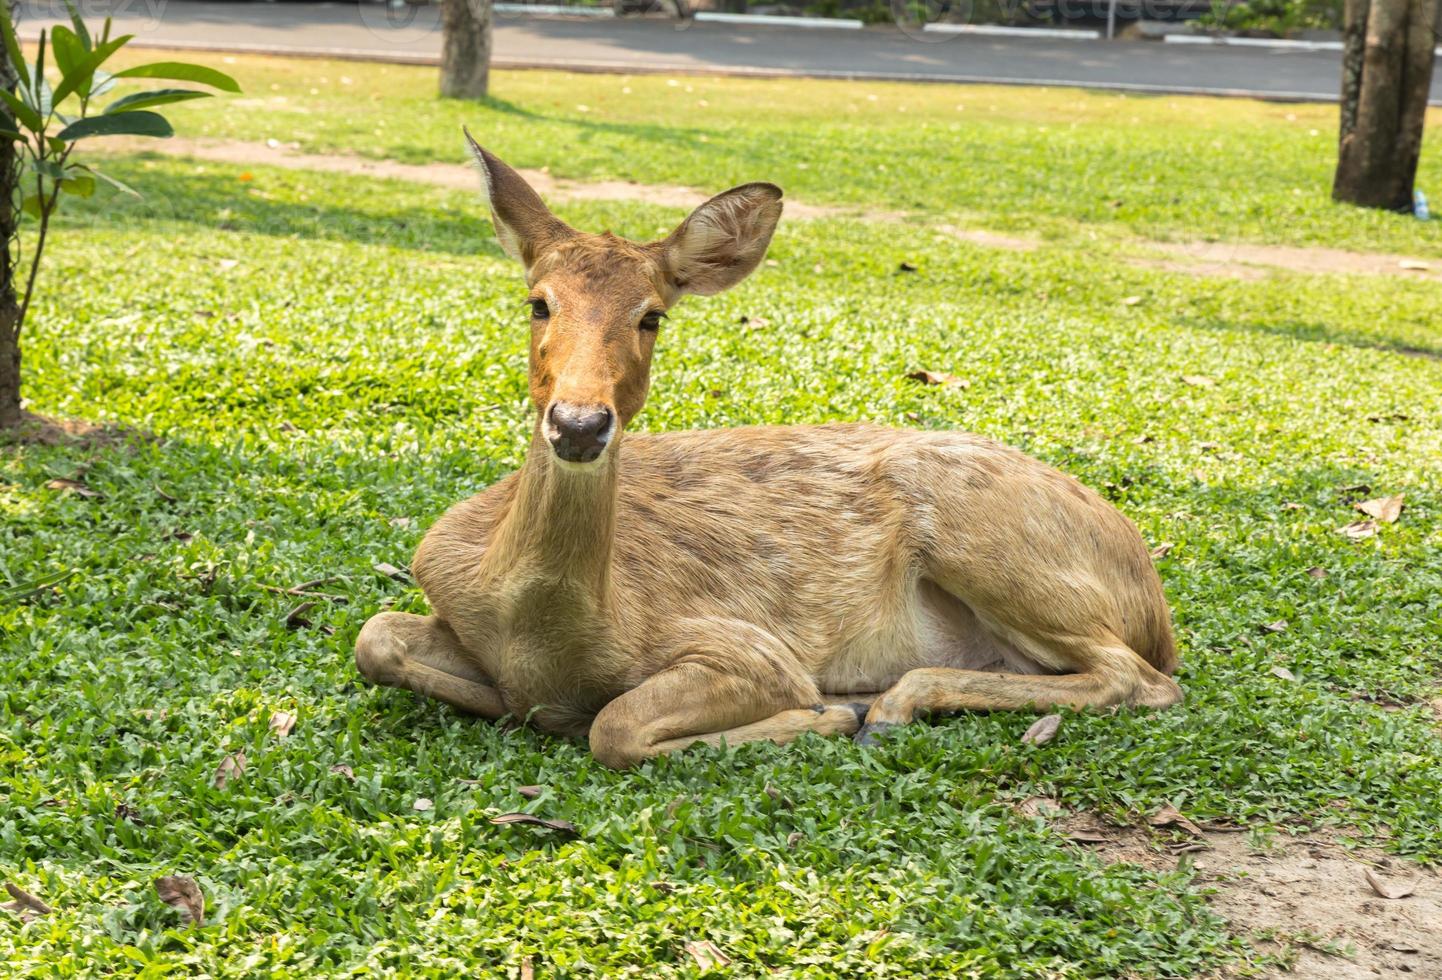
[[707, 954], [341, 769], [528, 969], [754, 322], [1385, 509], [281, 723], [1317, 571], [1131, 301], [565, 826], [1042, 731], [1387, 889], [1358, 530], [229, 769], [1274, 627], [422, 804], [794, 838], [25, 905], [529, 792], [1413, 265], [1291, 505], [124, 811], [906, 267], [74, 486], [391, 571], [1039, 806], [1198, 380], [182, 893], [1162, 550], [1170, 816], [1283, 673], [1088, 837], [938, 378]]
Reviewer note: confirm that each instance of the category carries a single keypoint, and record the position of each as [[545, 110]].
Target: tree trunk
[[1386, 77], [466, 48], [9, 308]]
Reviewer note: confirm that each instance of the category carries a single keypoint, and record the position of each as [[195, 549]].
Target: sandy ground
[[1307, 897], [1234, 260]]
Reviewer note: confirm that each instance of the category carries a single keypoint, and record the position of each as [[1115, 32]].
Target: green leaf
[[38, 79], [117, 184], [31, 205], [182, 72], [102, 82], [26, 116], [81, 185], [139, 123], [12, 46], [69, 52], [79, 80], [49, 168], [160, 96], [81, 30], [10, 134]]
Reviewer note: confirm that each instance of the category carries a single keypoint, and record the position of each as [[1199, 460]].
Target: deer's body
[[763, 582]]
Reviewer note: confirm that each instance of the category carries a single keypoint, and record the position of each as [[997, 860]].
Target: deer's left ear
[[722, 241], [525, 227]]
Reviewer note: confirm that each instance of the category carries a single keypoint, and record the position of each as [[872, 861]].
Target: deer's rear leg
[[1107, 672], [729, 682], [422, 654]]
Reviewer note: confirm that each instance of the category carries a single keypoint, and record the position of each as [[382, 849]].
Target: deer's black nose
[[579, 433]]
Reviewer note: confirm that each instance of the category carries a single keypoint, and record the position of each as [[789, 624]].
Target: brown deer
[[653, 591]]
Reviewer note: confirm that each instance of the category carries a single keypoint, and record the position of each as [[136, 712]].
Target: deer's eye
[[539, 309], [652, 321]]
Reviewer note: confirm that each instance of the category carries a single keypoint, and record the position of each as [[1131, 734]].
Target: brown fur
[[750, 583]]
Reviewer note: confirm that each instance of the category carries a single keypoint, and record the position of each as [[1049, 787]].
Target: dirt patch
[[451, 175], [990, 239], [1213, 270], [1308, 896], [38, 430], [1250, 260]]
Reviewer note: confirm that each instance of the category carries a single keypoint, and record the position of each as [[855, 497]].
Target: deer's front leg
[[729, 681], [422, 654]]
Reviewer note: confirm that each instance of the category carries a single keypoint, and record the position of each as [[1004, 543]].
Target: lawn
[[316, 365]]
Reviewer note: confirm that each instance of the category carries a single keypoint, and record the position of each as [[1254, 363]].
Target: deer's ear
[[722, 241], [524, 225]]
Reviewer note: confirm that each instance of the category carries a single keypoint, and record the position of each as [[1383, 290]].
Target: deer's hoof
[[870, 735]]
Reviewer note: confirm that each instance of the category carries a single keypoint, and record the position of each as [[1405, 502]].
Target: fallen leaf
[[124, 811], [340, 768], [1131, 301], [1042, 731], [1402, 947], [906, 267], [754, 322], [528, 969], [1413, 265], [1039, 806], [529, 792], [182, 893], [707, 954], [794, 838], [1162, 550], [404, 522], [26, 905], [1088, 837], [530, 818], [1198, 380], [1317, 571], [1384, 509], [1291, 505], [939, 378], [229, 769], [227, 264], [1283, 673], [422, 804], [281, 722], [1358, 530], [1276, 627], [1387, 889], [391, 571], [1170, 816], [74, 486], [165, 496]]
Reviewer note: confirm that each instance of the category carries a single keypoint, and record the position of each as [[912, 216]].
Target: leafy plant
[[44, 123]]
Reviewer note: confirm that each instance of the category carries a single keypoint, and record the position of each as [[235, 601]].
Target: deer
[[649, 592]]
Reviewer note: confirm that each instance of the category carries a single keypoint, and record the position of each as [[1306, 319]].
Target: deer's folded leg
[[422, 654], [729, 682]]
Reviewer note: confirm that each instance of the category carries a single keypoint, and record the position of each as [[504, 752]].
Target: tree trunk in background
[[466, 48], [9, 308], [1386, 76]]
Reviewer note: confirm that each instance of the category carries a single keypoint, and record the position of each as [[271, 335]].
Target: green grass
[[316, 359]]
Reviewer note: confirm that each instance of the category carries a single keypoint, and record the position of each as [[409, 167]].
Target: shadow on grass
[[1321, 333]]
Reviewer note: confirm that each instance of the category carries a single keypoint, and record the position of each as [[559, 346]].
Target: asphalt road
[[412, 34]]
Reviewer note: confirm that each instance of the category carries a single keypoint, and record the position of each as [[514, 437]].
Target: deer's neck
[[561, 523]]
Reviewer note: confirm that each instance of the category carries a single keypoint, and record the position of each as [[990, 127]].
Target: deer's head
[[597, 301]]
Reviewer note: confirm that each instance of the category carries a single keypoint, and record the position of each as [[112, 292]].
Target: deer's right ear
[[525, 227]]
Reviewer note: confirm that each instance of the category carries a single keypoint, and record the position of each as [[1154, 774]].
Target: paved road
[[412, 34]]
